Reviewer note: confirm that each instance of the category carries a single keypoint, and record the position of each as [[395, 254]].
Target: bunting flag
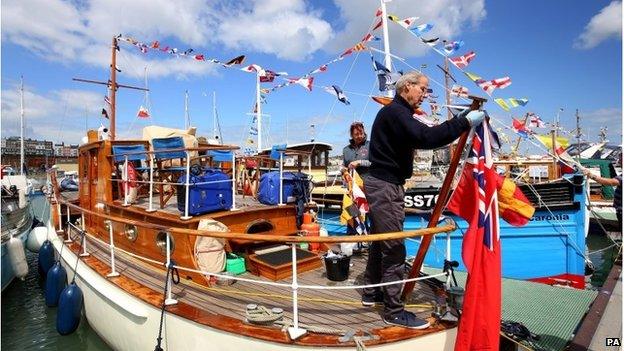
[[105, 113], [475, 199], [305, 82], [235, 61], [143, 113], [253, 68], [106, 108], [520, 128], [431, 42], [269, 76], [378, 25], [502, 104], [107, 100], [386, 78], [518, 102], [434, 107], [473, 77], [462, 62], [490, 85], [421, 29], [337, 92], [378, 12], [394, 18], [407, 22], [561, 143], [514, 207], [460, 91], [354, 204], [450, 47], [536, 122]]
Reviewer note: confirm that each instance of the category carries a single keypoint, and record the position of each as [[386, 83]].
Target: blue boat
[[549, 249]]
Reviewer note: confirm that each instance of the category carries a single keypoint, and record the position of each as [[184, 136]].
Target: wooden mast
[[445, 191], [113, 87]]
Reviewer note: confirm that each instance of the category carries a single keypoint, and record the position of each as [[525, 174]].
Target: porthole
[[131, 231], [161, 242], [259, 226]]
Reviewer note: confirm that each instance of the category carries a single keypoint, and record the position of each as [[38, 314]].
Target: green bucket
[[235, 264]]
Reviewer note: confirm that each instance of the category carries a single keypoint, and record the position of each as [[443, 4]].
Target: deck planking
[[231, 301]]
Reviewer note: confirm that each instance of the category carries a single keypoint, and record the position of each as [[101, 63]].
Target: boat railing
[[189, 161], [293, 241]]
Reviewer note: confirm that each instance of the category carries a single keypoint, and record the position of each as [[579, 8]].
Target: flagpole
[[445, 191], [258, 111], [386, 40], [214, 116]]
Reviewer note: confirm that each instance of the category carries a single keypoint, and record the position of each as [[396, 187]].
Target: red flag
[[475, 200], [377, 25], [143, 113]]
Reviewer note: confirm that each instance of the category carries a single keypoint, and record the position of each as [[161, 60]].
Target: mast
[[258, 111], [447, 92], [578, 137], [147, 101], [386, 40], [113, 87], [215, 133], [21, 125], [187, 119]]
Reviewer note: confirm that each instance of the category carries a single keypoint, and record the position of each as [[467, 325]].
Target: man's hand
[[475, 117]]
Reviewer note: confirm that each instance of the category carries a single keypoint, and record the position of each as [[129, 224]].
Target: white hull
[[126, 323]]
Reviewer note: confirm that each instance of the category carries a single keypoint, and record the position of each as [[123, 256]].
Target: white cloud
[[287, 29], [53, 116], [449, 18], [606, 24], [81, 32], [610, 117]]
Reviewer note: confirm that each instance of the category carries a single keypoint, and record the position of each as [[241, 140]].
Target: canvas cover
[[190, 141], [210, 252]]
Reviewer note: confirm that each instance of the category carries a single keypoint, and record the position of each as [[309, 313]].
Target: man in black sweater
[[395, 134]]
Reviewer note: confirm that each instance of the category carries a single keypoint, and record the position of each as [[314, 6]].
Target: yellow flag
[[502, 104], [473, 77], [561, 142]]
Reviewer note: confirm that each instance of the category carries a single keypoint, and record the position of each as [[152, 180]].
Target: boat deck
[[171, 206], [333, 312]]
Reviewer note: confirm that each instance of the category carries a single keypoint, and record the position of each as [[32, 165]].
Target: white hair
[[409, 77]]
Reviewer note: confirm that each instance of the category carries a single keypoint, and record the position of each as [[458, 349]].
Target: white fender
[[36, 237], [17, 257]]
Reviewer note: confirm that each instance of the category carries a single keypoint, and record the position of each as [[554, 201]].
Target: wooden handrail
[[269, 238], [445, 192]]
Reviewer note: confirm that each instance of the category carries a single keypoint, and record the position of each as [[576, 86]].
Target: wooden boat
[[141, 266]]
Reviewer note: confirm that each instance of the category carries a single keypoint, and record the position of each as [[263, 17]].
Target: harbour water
[[28, 324]]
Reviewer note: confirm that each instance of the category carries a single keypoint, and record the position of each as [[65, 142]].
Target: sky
[[558, 54]]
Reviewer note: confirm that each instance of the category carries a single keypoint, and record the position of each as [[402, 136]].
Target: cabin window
[[161, 242], [260, 226]]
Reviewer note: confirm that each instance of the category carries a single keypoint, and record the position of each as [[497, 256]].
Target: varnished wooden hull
[[131, 321]]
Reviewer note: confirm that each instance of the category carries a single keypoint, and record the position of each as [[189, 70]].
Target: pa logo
[[613, 342]]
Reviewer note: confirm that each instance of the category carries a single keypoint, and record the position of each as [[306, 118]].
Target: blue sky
[[558, 54]]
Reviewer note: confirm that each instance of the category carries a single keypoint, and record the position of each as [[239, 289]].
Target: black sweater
[[395, 135]]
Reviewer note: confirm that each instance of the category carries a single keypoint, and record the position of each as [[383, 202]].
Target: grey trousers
[[386, 259]]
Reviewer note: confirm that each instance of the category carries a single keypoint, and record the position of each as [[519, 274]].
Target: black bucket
[[337, 267]]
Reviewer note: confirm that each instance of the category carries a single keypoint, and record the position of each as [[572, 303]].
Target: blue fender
[[55, 283], [69, 309], [46, 258]]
